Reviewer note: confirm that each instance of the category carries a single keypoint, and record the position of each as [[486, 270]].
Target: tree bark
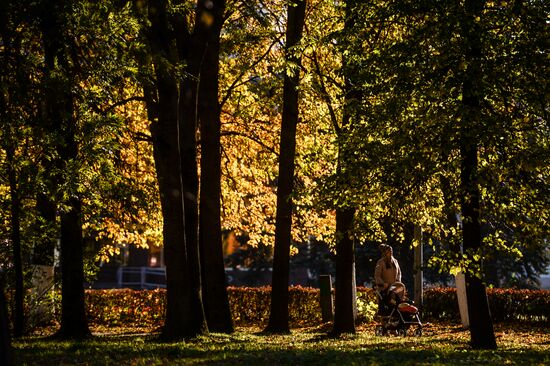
[[215, 297], [174, 146], [344, 309], [278, 316], [15, 236], [345, 301], [6, 354], [481, 325], [60, 117], [74, 323], [11, 53]]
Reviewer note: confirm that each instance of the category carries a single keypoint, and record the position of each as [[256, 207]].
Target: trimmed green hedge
[[250, 305]]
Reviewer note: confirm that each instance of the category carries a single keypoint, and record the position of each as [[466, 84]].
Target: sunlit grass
[[440, 345]]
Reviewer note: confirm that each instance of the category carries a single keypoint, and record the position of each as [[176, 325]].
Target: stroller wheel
[[418, 332], [402, 332]]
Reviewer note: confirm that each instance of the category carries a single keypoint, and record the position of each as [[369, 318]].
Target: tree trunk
[[192, 51], [278, 316], [73, 308], [405, 256], [12, 52], [6, 354], [481, 325], [59, 116], [215, 297], [15, 236], [166, 155], [344, 309], [175, 159]]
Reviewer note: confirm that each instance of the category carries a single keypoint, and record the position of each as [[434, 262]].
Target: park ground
[[441, 344]]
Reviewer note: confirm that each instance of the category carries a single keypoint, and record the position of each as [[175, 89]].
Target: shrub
[[250, 306], [505, 304], [125, 307]]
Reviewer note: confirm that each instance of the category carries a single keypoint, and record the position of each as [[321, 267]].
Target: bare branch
[[237, 82], [255, 139]]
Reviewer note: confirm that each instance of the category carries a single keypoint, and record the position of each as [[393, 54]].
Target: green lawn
[[440, 345]]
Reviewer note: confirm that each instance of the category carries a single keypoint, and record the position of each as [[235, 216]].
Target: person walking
[[387, 269]]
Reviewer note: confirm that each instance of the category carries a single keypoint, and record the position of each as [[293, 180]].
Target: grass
[[440, 345]]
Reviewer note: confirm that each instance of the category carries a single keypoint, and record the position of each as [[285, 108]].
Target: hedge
[[505, 304], [250, 305]]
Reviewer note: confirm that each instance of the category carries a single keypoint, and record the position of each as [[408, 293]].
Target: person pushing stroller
[[394, 310], [387, 270]]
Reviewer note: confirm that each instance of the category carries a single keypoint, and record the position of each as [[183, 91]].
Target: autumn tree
[[208, 26], [278, 316], [444, 88], [13, 102]]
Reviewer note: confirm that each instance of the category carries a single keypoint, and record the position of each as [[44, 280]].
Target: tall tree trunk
[[73, 308], [11, 53], [192, 51], [481, 325], [175, 159], [344, 307], [15, 236], [278, 316], [6, 354], [215, 297], [166, 155], [74, 323], [60, 116]]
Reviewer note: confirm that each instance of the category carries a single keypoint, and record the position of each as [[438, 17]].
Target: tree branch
[[256, 140], [236, 82]]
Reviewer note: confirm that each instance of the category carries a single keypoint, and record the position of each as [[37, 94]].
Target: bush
[[250, 306], [505, 304], [125, 307]]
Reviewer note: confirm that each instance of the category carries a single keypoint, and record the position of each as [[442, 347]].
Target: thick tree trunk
[[192, 51], [175, 158], [215, 297], [179, 314], [73, 308], [345, 301], [166, 155], [278, 316], [59, 116], [344, 309], [481, 325]]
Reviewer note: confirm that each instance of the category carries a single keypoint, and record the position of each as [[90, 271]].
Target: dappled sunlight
[[442, 343]]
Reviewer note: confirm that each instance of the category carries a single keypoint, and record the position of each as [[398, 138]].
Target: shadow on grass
[[249, 349]]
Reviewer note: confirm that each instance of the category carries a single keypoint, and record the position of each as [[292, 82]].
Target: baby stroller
[[396, 313]]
